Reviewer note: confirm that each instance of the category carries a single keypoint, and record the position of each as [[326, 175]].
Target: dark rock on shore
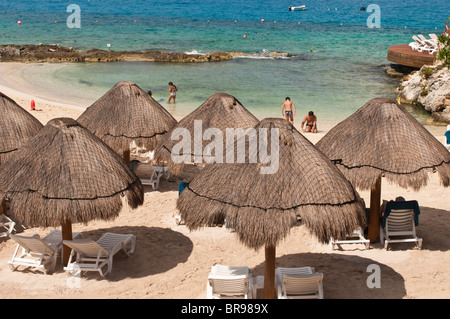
[[56, 53]]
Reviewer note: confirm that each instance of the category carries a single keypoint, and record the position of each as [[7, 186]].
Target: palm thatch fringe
[[67, 172], [365, 177], [37, 210], [219, 111], [258, 227], [382, 138], [16, 126], [126, 113]]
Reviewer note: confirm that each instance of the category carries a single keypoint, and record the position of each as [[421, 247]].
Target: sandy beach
[[170, 262]]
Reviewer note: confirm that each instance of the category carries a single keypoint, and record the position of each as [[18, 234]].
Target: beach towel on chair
[[411, 204]]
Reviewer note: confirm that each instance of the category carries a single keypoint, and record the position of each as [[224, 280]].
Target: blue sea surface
[[338, 61]]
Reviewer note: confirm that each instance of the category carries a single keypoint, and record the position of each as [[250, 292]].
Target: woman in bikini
[[172, 89]]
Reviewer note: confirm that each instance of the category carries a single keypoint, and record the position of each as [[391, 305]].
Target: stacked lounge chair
[[422, 44]]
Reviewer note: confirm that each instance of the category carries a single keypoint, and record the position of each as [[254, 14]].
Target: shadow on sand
[[345, 276], [157, 251]]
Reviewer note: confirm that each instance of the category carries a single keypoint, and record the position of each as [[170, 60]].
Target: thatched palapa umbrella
[[124, 114], [16, 127], [220, 111], [383, 139], [265, 206], [65, 174]]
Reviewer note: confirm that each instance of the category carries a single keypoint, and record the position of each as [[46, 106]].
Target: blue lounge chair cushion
[[411, 204], [181, 187], [447, 136]]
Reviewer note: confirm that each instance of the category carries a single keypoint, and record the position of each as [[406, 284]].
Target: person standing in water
[[289, 110], [172, 92]]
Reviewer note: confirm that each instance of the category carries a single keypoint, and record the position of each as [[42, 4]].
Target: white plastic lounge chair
[[38, 252], [133, 146], [414, 46], [7, 225], [147, 169], [423, 46], [419, 43], [432, 51], [155, 176], [434, 37], [400, 223], [298, 283], [429, 42], [160, 170], [178, 219], [230, 223], [229, 282], [150, 155], [357, 237], [89, 255], [431, 45]]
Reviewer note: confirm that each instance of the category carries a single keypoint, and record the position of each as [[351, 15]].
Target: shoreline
[[18, 87], [22, 91], [30, 53], [57, 53]]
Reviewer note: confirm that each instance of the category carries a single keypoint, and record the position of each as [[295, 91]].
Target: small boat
[[298, 8]]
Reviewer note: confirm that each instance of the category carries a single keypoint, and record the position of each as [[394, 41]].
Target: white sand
[[172, 262]]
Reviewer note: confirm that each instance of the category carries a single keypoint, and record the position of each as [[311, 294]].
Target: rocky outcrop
[[429, 87], [56, 53]]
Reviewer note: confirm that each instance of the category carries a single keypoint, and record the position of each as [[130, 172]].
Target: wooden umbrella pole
[[66, 228], [374, 213], [3, 207], [127, 156], [269, 274]]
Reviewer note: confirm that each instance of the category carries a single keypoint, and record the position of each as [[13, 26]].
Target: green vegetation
[[427, 72], [424, 91], [444, 51]]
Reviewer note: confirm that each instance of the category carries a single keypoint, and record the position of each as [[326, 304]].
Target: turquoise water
[[338, 63]]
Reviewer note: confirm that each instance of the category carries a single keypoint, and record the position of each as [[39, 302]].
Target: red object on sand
[[33, 106]]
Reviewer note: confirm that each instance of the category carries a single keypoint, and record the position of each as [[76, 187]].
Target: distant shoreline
[[56, 53]]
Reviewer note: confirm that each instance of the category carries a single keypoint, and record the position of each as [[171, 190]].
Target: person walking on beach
[[172, 92], [289, 110], [311, 123]]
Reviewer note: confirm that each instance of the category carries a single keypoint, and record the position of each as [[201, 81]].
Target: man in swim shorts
[[289, 110], [311, 123], [172, 89]]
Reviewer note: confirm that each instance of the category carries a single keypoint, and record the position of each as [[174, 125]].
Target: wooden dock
[[403, 54]]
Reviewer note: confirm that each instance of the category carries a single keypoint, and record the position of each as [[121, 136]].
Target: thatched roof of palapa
[[126, 113], [16, 126], [382, 138], [220, 111], [67, 172], [266, 206]]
